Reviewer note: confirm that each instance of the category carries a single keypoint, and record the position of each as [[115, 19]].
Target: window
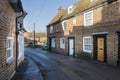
[[51, 29], [74, 21], [87, 44], [64, 24], [9, 49], [62, 43], [19, 26], [88, 18], [91, 0], [53, 42], [70, 9]]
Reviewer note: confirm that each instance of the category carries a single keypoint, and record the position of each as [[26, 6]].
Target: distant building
[[39, 37]]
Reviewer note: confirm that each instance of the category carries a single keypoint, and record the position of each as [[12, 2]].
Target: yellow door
[[100, 49]]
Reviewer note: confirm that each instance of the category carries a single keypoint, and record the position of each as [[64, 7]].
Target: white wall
[[21, 47]]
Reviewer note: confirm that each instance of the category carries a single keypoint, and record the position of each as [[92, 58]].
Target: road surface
[[60, 67]]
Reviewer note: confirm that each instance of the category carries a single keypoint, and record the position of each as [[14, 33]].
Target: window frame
[[62, 45], [89, 51], [85, 22], [70, 8], [63, 26], [9, 59], [51, 29]]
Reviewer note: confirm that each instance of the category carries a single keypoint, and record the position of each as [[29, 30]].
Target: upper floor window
[[9, 49], [74, 21], [64, 24], [62, 43], [70, 9], [87, 44], [51, 29], [88, 18], [92, 0]]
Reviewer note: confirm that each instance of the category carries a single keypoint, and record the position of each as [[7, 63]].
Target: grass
[[38, 46]]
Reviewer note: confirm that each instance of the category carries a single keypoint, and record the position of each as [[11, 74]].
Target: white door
[[71, 47]]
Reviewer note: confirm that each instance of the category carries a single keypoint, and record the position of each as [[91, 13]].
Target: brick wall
[[7, 29]]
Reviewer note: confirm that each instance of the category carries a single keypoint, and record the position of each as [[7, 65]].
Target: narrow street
[[60, 67]]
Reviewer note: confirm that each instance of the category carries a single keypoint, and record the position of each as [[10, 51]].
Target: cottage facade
[[90, 29], [8, 10]]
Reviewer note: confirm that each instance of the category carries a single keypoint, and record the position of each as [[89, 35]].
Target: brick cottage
[[89, 29], [8, 12]]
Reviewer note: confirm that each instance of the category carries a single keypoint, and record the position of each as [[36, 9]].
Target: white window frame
[[89, 51], [70, 9], [53, 42], [91, 0], [62, 45], [9, 59], [74, 21], [64, 26], [85, 22], [51, 29]]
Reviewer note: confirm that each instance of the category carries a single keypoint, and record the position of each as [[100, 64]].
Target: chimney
[[60, 10]]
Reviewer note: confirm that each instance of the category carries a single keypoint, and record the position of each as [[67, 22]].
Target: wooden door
[[100, 49]]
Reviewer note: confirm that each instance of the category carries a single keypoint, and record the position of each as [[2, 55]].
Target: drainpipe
[[17, 32]]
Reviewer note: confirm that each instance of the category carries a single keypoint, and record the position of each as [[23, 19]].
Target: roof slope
[[80, 6]]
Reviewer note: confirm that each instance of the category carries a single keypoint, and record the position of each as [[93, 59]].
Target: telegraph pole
[[34, 34]]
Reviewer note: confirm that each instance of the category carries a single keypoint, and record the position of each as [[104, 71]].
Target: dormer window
[[70, 9]]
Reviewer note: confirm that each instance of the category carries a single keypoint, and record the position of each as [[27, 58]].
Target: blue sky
[[41, 12]]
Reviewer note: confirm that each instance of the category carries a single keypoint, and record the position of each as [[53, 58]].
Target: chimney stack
[[59, 10]]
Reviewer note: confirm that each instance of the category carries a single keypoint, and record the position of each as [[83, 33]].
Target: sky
[[40, 12]]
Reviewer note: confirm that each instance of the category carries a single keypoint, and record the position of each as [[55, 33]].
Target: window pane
[[87, 44], [8, 53]]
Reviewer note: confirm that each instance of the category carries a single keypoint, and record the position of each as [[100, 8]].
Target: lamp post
[[34, 34]]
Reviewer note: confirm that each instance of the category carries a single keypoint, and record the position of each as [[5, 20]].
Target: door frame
[[50, 42], [118, 61], [73, 46], [95, 46]]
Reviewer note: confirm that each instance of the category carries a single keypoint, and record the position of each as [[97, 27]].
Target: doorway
[[100, 48], [118, 62], [71, 46]]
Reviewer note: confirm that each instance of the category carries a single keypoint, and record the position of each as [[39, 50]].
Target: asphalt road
[[59, 67]]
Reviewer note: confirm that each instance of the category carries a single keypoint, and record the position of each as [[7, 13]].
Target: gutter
[[17, 41], [17, 32]]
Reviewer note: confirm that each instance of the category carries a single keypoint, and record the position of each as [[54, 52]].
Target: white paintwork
[[20, 47], [90, 44], [98, 33], [71, 47], [90, 13], [70, 9]]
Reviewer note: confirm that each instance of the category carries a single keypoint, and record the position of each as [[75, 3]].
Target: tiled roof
[[37, 35], [80, 6]]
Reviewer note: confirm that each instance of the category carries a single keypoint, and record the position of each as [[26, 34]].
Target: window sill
[[10, 60], [62, 48], [87, 51]]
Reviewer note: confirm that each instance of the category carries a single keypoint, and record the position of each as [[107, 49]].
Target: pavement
[[53, 66], [28, 70]]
